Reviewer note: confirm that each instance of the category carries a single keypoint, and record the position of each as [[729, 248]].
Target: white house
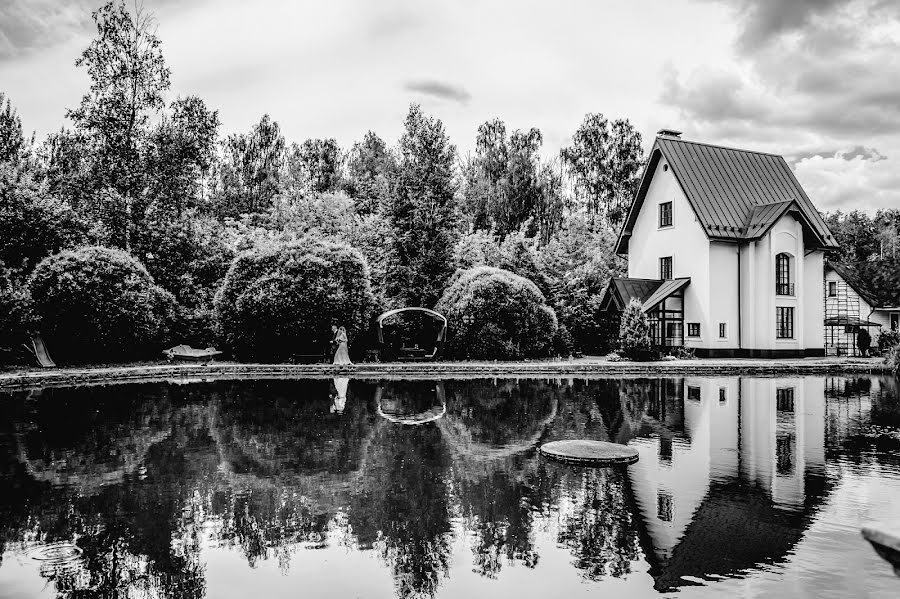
[[725, 253], [860, 295]]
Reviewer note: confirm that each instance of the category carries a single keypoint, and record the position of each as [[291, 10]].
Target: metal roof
[[737, 195], [876, 282], [664, 291]]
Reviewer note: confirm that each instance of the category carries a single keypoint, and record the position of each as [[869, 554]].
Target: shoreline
[[581, 368]]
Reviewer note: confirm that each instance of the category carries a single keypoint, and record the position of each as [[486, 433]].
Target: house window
[[783, 285], [693, 329], [665, 267], [723, 394], [693, 393], [784, 399], [832, 288], [664, 506], [723, 330], [784, 322], [895, 321], [665, 214]]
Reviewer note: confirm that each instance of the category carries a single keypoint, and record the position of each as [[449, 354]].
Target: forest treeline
[[152, 180]]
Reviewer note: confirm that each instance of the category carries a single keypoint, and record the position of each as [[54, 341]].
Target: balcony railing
[[784, 289]]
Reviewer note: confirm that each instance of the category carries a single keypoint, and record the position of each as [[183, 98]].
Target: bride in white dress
[[342, 355]]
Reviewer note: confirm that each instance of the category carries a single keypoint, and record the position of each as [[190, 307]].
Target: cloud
[[814, 80], [27, 26], [439, 89]]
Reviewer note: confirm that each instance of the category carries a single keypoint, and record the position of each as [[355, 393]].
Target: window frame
[[832, 288], [665, 209], [670, 262], [783, 272], [690, 328], [784, 327], [723, 330]]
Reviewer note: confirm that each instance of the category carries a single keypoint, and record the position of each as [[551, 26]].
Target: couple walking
[[342, 355]]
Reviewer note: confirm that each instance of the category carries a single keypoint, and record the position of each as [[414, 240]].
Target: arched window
[[783, 282]]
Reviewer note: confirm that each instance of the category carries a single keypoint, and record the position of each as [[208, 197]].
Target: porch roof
[[668, 288]]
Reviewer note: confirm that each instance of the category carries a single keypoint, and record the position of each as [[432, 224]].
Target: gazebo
[[415, 353]]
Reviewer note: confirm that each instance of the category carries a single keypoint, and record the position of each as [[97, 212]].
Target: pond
[[749, 487]]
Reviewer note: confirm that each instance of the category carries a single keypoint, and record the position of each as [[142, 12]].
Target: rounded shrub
[[99, 304], [634, 331], [495, 314], [280, 301]]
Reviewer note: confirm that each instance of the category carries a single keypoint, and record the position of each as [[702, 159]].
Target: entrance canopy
[[436, 315]]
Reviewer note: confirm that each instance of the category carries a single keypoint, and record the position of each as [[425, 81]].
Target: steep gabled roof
[[876, 282], [737, 195]]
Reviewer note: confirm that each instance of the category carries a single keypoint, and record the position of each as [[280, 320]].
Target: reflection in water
[[146, 483]]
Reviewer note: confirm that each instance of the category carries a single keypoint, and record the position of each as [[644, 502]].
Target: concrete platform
[[590, 453], [586, 367]]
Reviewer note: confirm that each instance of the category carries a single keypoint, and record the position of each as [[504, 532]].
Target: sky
[[817, 81]]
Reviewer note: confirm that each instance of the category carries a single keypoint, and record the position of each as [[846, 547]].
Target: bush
[[495, 314], [893, 359], [887, 340], [634, 332], [563, 344], [863, 341], [16, 318], [281, 301], [99, 304]]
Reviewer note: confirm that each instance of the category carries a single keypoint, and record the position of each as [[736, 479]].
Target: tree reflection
[[400, 505]]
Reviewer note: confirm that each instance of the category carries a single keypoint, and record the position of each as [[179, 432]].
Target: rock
[[584, 452]]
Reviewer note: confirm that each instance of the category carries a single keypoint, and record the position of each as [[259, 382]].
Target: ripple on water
[[60, 553]]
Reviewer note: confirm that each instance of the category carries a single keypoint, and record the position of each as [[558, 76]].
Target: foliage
[[16, 317], [282, 300], [187, 257], [893, 359], [128, 77], [863, 238], [863, 341], [634, 332], [12, 141], [250, 169], [33, 224], [370, 168], [495, 314], [422, 212], [887, 340], [315, 166], [563, 342], [605, 159], [98, 303]]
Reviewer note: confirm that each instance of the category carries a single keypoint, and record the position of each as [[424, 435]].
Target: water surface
[[750, 487]]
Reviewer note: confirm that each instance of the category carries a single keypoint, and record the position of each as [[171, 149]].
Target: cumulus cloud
[[814, 80], [439, 89]]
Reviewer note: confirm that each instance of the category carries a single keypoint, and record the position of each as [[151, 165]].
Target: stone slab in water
[[590, 453]]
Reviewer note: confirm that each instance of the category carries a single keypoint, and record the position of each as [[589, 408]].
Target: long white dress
[[342, 355]]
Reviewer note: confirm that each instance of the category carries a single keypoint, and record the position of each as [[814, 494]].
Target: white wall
[[831, 305], [685, 241]]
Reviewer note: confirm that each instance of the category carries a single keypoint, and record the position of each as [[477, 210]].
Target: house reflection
[[735, 489]]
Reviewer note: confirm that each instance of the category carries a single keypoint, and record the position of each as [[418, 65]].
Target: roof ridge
[[721, 147]]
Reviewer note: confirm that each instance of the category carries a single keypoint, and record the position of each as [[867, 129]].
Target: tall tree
[[605, 159], [856, 234], [12, 141], [128, 77], [422, 211], [370, 167], [250, 169], [315, 165], [179, 155]]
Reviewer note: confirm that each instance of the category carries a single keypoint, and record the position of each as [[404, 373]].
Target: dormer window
[[665, 214], [783, 284]]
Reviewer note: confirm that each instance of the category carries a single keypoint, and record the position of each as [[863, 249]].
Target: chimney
[[668, 133]]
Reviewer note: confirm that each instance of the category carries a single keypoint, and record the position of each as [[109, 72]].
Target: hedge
[[279, 302], [495, 314], [99, 304]]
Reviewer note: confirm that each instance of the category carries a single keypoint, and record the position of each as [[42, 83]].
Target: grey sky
[[812, 79]]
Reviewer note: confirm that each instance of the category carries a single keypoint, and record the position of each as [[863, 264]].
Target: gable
[[878, 283], [735, 194]]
